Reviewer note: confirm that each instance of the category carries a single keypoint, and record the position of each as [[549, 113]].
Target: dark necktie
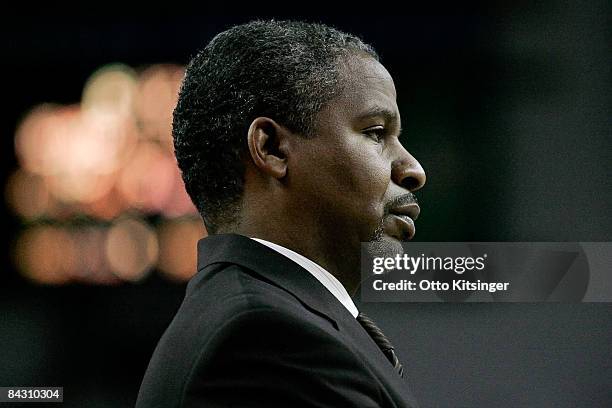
[[381, 341]]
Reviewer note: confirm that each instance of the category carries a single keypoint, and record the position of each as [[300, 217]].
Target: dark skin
[[350, 183]]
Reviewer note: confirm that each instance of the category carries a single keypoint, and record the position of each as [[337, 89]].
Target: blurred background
[[508, 109]]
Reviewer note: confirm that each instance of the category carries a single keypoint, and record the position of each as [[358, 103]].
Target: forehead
[[367, 90]]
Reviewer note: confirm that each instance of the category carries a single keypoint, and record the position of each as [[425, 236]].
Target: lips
[[412, 210], [400, 222]]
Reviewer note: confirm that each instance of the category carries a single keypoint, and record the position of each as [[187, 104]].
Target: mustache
[[399, 201]]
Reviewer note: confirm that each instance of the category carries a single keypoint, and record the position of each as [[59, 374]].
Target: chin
[[385, 246]]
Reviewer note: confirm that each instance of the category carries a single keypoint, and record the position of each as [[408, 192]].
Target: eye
[[376, 133]]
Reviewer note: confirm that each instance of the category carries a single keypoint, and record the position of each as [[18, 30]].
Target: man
[[287, 137]]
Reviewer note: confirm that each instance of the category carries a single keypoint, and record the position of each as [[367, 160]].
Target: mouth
[[400, 222]]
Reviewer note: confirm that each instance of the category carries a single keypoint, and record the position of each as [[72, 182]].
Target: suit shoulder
[[221, 302], [230, 288]]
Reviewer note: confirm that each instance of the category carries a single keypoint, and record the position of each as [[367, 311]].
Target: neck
[[330, 253]]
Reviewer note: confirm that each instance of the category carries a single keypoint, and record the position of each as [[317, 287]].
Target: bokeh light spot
[[131, 249], [178, 240]]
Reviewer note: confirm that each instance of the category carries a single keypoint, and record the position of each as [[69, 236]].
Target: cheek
[[346, 178], [366, 179], [369, 171]]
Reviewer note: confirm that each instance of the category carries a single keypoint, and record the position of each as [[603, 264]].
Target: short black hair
[[283, 70]]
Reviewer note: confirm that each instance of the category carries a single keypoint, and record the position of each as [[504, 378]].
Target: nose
[[407, 172]]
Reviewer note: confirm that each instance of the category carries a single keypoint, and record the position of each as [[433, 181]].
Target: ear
[[267, 145]]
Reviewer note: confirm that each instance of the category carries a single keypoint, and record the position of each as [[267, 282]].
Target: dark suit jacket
[[257, 330]]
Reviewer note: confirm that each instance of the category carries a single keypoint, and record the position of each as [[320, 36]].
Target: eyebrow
[[379, 111]]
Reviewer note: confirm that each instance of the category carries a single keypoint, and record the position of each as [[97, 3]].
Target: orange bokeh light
[[155, 99], [131, 249], [108, 155], [147, 180], [28, 195], [46, 254], [178, 239]]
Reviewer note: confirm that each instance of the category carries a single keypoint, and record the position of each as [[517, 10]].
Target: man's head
[[290, 130], [283, 70]]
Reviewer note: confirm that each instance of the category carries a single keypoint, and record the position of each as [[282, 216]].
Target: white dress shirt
[[327, 279]]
